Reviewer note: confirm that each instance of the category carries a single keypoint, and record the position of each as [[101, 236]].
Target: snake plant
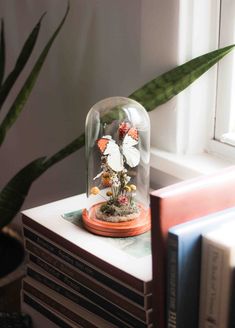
[[151, 95]]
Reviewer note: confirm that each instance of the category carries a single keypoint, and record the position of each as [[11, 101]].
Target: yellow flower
[[109, 193], [95, 191], [127, 188], [133, 187]]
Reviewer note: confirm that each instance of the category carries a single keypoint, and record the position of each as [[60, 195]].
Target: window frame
[[190, 116], [221, 142]]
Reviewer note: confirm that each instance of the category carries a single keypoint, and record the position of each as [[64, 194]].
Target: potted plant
[[12, 196]]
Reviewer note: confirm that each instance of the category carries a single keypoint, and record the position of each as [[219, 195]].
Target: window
[[224, 122], [191, 145]]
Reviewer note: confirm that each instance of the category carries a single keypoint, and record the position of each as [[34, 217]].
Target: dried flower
[[127, 178], [109, 193], [127, 188], [122, 200], [124, 127], [106, 179], [106, 182], [133, 187], [115, 181], [95, 191]]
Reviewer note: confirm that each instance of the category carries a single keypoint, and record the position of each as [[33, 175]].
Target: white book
[[218, 261], [126, 259]]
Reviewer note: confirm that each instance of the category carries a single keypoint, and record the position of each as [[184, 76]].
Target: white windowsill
[[186, 166]]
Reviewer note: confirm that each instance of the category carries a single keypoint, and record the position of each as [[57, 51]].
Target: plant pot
[[12, 269]]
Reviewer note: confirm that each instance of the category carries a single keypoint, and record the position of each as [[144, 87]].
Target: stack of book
[[76, 279]]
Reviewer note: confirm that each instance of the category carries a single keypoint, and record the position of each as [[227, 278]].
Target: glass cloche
[[117, 154]]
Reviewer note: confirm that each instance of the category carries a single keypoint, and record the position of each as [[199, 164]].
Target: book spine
[[90, 306], [121, 275], [71, 278], [159, 264], [213, 264], [172, 269], [81, 301], [57, 306], [68, 270], [45, 312], [85, 268]]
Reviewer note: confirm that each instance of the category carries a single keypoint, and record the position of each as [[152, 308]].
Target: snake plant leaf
[[2, 53], [25, 91], [13, 194], [63, 153], [115, 113], [20, 63], [169, 84]]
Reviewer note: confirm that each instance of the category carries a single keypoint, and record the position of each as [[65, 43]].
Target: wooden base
[[117, 229]]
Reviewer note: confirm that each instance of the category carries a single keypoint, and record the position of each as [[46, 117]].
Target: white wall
[[106, 48]]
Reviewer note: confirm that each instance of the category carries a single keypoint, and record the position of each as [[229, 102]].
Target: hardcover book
[[42, 315], [218, 263], [88, 286], [61, 258], [176, 204], [62, 305], [86, 298], [127, 260], [232, 302], [184, 266]]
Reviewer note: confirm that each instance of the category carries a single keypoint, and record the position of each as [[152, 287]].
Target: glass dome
[[117, 154]]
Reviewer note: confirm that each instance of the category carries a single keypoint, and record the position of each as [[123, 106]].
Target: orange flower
[[95, 191], [106, 179]]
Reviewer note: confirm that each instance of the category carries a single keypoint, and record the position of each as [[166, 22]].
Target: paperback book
[[217, 266]]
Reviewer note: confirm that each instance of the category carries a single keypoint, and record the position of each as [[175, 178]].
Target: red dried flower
[[124, 127]]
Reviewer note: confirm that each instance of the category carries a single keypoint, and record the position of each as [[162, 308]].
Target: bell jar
[[117, 137]]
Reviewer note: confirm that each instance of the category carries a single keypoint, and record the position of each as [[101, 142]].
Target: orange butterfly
[[126, 152]]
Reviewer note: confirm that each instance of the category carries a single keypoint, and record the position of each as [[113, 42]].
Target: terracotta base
[[118, 229]]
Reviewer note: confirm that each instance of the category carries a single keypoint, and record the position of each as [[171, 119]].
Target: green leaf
[[115, 113], [20, 63], [2, 53], [25, 91], [14, 193], [167, 85], [66, 151]]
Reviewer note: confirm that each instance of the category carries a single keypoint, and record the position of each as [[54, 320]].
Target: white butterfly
[[116, 153]]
